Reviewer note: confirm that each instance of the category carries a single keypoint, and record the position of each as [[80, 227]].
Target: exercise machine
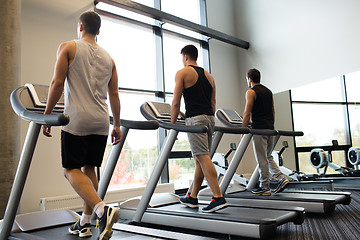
[[24, 106], [29, 103], [221, 164], [277, 156], [320, 159], [312, 201], [232, 119], [354, 157], [346, 178], [165, 209]]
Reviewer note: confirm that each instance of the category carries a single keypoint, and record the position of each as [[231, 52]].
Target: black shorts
[[78, 151]]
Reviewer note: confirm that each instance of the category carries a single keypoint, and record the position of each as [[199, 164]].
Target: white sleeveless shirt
[[85, 92]]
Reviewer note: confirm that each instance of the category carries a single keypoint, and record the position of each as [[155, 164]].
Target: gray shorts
[[200, 143]]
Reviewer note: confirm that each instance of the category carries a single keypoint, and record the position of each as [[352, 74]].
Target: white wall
[[225, 68], [44, 25], [283, 121], [298, 42]]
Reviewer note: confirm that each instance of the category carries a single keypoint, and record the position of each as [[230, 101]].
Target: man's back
[[86, 90], [262, 112], [197, 92]]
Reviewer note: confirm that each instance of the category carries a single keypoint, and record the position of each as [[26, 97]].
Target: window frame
[[160, 93]]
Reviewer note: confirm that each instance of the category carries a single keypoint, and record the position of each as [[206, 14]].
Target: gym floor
[[343, 224]]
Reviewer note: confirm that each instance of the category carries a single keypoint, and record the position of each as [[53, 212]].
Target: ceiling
[[60, 6]]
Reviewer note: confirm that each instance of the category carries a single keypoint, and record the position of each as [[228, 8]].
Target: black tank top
[[262, 115], [198, 97]]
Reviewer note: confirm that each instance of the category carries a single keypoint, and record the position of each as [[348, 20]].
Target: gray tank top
[[85, 92]]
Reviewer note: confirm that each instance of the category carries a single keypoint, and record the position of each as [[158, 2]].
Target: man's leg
[[198, 179], [86, 190], [273, 167], [218, 201], [83, 185], [209, 172], [280, 177], [259, 145], [90, 172]]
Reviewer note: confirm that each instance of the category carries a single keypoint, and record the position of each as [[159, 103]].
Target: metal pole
[[239, 153], [254, 178], [20, 179], [111, 163], [215, 143]]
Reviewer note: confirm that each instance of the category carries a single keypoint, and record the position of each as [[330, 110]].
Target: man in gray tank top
[[89, 75], [260, 107]]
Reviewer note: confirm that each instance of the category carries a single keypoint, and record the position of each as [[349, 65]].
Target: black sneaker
[[189, 201], [82, 231], [215, 205], [282, 185], [105, 223], [261, 191]]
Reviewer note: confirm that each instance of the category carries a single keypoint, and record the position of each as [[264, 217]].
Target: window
[[147, 56], [172, 58], [326, 111], [331, 90], [132, 48], [321, 123]]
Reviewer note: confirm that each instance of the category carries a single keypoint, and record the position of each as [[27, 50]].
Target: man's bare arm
[[213, 96], [115, 105], [61, 69], [179, 86], [250, 99], [64, 53]]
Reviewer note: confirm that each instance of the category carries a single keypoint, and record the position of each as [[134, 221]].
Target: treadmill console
[[163, 111], [231, 116], [39, 94]]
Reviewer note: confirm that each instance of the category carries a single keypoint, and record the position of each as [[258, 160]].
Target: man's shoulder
[[67, 45], [184, 70]]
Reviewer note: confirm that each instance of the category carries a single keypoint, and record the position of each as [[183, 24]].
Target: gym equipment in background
[[320, 159], [312, 201], [165, 209]]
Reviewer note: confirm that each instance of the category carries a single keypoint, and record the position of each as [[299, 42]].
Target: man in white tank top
[[89, 75]]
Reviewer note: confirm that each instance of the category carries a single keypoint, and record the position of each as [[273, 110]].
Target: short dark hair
[[91, 22], [254, 74], [191, 51]]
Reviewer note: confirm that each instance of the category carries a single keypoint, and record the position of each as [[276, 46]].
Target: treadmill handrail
[[138, 125], [290, 133], [42, 119], [234, 130], [264, 132], [176, 126]]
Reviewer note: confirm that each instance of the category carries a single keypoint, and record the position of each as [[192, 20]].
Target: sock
[[99, 209], [84, 219]]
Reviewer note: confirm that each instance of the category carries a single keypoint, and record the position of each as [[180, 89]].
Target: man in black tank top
[[198, 88], [260, 107]]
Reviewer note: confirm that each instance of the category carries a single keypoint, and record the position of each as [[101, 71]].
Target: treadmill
[[165, 209], [29, 103], [311, 201]]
